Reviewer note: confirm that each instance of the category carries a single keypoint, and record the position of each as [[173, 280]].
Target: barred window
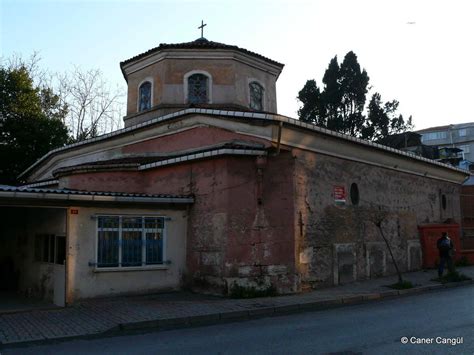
[[125, 241], [256, 96], [198, 87], [144, 96]]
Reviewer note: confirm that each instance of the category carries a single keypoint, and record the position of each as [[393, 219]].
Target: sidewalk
[[179, 309]]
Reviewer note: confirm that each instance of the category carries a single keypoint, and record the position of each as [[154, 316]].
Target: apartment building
[[459, 136]]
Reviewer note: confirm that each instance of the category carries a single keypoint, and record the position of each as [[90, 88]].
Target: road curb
[[246, 314], [372, 296], [233, 315], [261, 312], [389, 294], [279, 310], [321, 304], [288, 308]]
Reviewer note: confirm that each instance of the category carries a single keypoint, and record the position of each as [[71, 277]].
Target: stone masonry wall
[[339, 242], [240, 228], [259, 249]]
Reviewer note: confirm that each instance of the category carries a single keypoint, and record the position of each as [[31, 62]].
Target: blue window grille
[[126, 241]]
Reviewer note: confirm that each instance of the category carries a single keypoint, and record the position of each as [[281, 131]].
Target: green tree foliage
[[340, 104], [353, 87], [309, 112], [331, 96], [382, 119], [30, 122]]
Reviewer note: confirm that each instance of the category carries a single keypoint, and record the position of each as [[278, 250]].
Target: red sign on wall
[[339, 194], [74, 211]]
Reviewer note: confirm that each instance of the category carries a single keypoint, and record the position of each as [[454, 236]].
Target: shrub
[[463, 261], [453, 276], [237, 291]]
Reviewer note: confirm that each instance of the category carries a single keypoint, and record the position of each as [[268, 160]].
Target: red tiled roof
[[200, 43]]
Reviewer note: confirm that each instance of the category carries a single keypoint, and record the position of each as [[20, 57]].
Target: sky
[[418, 52]]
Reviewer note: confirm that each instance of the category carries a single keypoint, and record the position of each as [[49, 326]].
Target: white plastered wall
[[85, 280]]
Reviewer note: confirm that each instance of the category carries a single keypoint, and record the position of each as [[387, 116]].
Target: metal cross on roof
[[202, 28]]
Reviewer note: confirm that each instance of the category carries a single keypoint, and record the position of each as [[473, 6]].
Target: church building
[[207, 187]]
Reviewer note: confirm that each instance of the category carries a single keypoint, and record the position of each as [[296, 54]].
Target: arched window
[[144, 96], [198, 89], [256, 96]]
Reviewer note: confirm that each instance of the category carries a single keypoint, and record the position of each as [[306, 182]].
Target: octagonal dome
[[201, 73]]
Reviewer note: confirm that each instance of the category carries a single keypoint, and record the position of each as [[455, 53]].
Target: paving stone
[[181, 309]]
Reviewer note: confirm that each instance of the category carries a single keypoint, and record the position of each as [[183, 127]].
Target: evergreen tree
[[331, 96], [353, 88], [30, 122], [340, 106], [377, 124], [312, 110], [382, 119]]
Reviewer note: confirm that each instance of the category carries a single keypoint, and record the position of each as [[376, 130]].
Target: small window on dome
[[256, 96], [198, 87], [144, 102]]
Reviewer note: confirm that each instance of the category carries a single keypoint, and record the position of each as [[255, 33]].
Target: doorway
[[32, 256]]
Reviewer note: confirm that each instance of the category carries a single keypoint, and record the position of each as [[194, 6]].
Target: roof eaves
[[197, 45], [98, 196], [237, 114], [204, 155]]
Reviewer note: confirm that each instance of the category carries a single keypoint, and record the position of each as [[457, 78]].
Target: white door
[[59, 285]]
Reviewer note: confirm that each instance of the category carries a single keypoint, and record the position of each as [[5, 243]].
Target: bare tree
[[31, 64], [94, 108], [87, 105], [378, 219]]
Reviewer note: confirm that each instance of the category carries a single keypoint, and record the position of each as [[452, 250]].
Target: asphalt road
[[372, 328]]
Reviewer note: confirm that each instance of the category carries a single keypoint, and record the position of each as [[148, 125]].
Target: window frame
[[52, 248], [354, 194], [186, 85], [264, 89], [434, 136], [150, 80], [144, 265], [444, 202]]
